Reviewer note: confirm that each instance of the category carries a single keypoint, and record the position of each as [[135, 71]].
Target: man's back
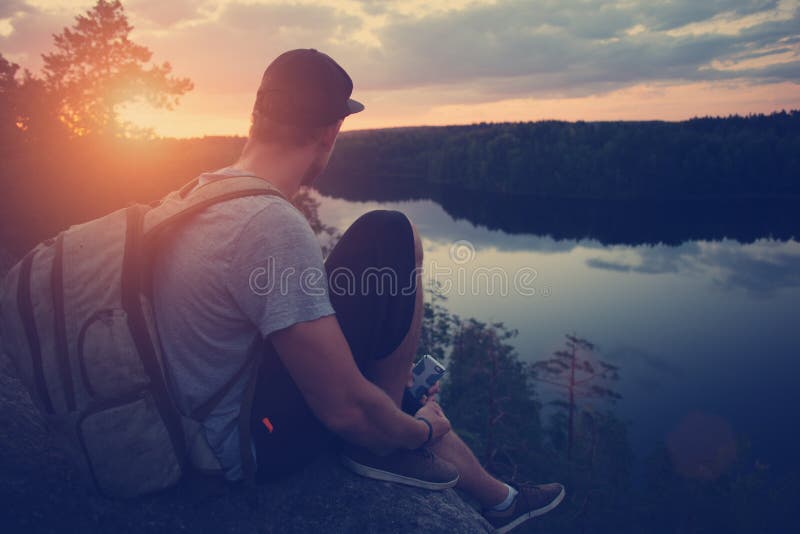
[[207, 312]]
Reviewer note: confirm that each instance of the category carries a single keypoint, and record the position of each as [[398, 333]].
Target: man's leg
[[474, 479], [381, 256], [503, 506], [393, 372]]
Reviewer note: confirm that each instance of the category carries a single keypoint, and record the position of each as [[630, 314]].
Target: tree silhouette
[[439, 326], [570, 371], [490, 399], [96, 68], [27, 112], [309, 207], [9, 93]]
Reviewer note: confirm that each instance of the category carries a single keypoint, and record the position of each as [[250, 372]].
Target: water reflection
[[760, 268], [652, 364], [631, 222]]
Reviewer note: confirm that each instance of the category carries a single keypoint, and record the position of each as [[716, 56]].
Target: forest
[[732, 157]]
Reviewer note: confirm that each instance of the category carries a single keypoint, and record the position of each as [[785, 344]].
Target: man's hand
[[431, 396], [436, 417]]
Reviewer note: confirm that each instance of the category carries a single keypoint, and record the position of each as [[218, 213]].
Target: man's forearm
[[378, 424]]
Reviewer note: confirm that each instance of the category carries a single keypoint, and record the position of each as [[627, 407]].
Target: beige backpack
[[76, 320]]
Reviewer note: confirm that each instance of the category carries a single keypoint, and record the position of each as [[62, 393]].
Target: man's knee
[[396, 227], [386, 222], [388, 230]]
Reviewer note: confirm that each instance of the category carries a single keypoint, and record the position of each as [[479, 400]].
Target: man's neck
[[284, 169]]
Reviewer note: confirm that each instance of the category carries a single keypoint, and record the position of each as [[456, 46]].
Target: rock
[[40, 492]]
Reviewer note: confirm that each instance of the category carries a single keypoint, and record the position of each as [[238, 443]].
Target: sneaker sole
[[386, 476], [533, 513]]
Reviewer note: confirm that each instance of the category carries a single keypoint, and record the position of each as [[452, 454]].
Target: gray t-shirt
[[240, 268]]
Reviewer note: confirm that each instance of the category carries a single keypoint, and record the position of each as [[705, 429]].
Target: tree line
[[735, 156]]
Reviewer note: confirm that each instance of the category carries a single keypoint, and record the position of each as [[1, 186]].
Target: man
[[335, 349]]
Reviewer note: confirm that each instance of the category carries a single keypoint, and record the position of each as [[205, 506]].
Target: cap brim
[[354, 106]]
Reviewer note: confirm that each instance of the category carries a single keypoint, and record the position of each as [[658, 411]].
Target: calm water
[[706, 324]]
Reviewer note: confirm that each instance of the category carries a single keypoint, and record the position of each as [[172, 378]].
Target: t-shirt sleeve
[[276, 274]]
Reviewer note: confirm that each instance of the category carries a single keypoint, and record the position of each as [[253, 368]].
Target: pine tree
[[490, 400], [27, 113], [576, 372], [96, 68]]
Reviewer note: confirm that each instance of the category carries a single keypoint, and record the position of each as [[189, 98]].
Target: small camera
[[426, 373]]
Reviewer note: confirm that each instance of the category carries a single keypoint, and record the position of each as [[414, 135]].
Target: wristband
[[430, 430]]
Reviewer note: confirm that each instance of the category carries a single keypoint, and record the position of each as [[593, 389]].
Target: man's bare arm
[[318, 358]]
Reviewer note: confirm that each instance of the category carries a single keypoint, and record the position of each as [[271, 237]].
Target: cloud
[[760, 268], [32, 34], [761, 272], [630, 355], [523, 48], [457, 52], [375, 7], [677, 13], [166, 14], [654, 259], [9, 8], [229, 52], [271, 18]]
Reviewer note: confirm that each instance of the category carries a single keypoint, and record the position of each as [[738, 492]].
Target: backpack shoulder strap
[[191, 199]]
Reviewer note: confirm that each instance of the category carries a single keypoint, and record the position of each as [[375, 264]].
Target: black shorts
[[375, 314]]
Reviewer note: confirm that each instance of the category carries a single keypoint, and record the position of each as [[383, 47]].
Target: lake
[[696, 302]]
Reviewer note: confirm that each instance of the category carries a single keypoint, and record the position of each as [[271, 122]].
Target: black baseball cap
[[305, 87]]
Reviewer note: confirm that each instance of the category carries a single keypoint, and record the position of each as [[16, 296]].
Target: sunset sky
[[432, 62]]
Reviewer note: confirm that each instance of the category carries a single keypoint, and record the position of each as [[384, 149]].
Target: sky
[[434, 62]]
